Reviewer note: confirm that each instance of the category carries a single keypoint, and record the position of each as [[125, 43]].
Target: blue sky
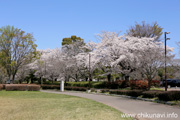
[[52, 20]]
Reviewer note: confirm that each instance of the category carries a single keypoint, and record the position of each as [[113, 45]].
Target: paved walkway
[[131, 106]]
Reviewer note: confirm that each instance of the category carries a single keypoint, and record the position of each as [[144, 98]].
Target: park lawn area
[[26, 105]]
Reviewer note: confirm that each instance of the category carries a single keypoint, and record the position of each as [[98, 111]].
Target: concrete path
[[145, 110]]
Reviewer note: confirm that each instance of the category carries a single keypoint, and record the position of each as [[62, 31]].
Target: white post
[[62, 86]]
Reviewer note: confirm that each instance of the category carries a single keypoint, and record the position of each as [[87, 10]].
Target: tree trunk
[[20, 81], [76, 78], [39, 81], [32, 81], [27, 80], [13, 78], [126, 78], [109, 77], [149, 84], [86, 78]]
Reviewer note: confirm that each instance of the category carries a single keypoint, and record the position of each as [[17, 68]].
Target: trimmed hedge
[[66, 87], [134, 93], [33, 87], [105, 90], [151, 94], [100, 85], [76, 88], [1, 86], [22, 87], [169, 96], [50, 86]]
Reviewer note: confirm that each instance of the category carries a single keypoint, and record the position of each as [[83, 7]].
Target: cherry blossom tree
[[126, 55]]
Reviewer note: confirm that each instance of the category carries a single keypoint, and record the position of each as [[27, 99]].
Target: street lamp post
[[90, 71], [165, 59]]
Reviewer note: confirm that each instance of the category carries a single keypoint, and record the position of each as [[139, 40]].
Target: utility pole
[[165, 59]]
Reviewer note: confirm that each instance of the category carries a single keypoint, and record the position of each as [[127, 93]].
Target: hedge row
[[161, 95], [134, 93], [151, 94], [134, 84], [76, 88], [169, 96], [50, 86], [22, 87], [66, 87], [99, 85], [1, 86]]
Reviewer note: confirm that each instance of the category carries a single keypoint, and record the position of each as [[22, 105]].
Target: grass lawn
[[25, 105]]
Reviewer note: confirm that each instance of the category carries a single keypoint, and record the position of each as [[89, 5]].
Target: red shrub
[[1, 86], [33, 87], [4, 86], [14, 87], [139, 84], [155, 83], [22, 87]]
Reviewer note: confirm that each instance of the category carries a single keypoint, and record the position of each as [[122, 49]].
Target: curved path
[[144, 109]]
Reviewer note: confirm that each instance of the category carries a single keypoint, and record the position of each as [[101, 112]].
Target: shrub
[[99, 85], [22, 87], [78, 84], [139, 84], [50, 86], [104, 90], [33, 87], [16, 87], [4, 86], [1, 86], [119, 92], [151, 94], [50, 83], [155, 83], [110, 85], [75, 88], [169, 96], [134, 93], [93, 90]]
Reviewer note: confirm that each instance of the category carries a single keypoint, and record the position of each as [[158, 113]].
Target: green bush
[[78, 84], [134, 93], [105, 90], [50, 83], [100, 85], [75, 88], [50, 86], [151, 94], [119, 92], [169, 96]]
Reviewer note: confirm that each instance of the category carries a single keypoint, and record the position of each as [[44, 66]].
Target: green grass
[[25, 105]]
